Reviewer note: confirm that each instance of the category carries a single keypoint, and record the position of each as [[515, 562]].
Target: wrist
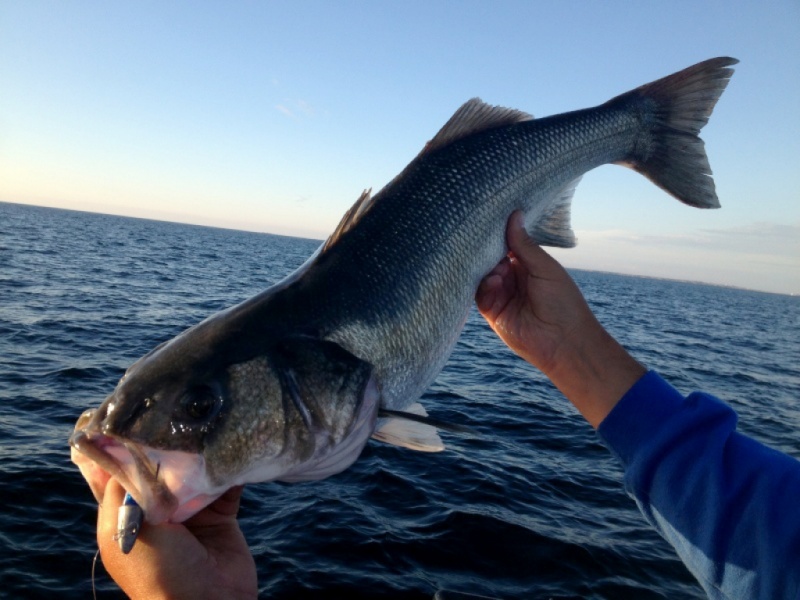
[[594, 372]]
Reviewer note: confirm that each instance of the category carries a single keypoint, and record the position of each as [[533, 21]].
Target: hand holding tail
[[536, 308]]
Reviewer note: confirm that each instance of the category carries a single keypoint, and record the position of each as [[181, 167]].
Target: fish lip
[[158, 502]]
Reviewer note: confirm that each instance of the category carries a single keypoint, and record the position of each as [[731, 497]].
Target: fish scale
[[290, 384], [526, 161]]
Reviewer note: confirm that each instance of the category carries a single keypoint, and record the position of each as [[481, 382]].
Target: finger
[[521, 245], [484, 295], [502, 268], [228, 504], [107, 515], [532, 257], [221, 511], [107, 511], [522, 250], [487, 293]]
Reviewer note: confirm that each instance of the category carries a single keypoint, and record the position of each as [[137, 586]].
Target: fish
[[290, 385]]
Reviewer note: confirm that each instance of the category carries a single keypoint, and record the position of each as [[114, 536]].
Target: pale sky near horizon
[[273, 116]]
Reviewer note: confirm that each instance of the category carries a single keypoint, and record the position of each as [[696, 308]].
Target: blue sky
[[273, 116]]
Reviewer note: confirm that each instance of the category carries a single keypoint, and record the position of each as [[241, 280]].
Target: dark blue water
[[533, 507]]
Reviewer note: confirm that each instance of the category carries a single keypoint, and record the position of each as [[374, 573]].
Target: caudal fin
[[670, 152]]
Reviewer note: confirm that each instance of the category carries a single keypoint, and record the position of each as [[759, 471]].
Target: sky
[[274, 116]]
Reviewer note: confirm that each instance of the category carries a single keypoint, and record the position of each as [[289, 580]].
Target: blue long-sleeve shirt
[[729, 505]]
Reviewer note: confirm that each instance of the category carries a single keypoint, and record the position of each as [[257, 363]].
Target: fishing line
[[94, 564]]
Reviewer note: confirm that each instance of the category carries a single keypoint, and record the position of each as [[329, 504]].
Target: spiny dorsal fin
[[350, 218], [474, 116]]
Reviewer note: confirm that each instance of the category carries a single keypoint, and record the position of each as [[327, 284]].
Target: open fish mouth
[[169, 485], [101, 457]]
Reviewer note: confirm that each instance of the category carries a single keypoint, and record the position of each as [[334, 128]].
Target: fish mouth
[[101, 457]]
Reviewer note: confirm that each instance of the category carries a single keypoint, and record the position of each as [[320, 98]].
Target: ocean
[[531, 507]]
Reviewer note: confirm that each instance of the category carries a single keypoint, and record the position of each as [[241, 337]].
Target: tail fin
[[671, 154]]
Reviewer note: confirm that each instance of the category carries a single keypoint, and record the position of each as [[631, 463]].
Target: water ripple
[[531, 506]]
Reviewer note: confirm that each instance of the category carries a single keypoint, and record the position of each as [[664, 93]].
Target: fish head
[[184, 425]]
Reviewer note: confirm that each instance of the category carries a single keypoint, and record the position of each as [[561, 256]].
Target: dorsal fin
[[474, 116], [350, 218]]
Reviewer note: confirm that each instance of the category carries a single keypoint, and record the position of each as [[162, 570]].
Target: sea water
[[531, 507]]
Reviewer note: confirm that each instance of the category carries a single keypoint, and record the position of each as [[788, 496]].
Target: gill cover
[[303, 410]]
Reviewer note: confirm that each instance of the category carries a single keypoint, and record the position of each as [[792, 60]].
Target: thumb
[[524, 248], [227, 505]]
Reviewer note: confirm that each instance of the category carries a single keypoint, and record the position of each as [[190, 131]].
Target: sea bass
[[291, 384]]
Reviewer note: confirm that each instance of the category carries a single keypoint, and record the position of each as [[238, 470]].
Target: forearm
[[727, 503], [593, 371]]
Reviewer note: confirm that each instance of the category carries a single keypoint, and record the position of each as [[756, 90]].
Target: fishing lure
[[129, 522]]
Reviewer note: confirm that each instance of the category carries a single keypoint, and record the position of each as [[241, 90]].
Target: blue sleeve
[[729, 505]]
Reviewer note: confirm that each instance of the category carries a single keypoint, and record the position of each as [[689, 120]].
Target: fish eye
[[200, 403]]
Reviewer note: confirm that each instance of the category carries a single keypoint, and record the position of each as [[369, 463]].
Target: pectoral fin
[[415, 435], [414, 429]]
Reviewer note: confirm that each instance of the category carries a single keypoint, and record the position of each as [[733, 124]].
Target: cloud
[[774, 238], [284, 110], [296, 109], [305, 108], [762, 255], [761, 238]]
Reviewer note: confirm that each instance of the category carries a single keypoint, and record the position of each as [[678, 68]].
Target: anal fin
[[554, 227]]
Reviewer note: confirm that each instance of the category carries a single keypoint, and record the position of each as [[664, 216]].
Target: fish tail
[[673, 110]]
